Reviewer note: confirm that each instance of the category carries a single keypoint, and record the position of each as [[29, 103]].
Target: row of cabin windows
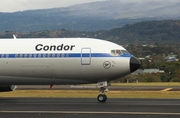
[[34, 55], [113, 53]]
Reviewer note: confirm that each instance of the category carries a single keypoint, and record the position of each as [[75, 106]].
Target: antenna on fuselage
[[14, 36]]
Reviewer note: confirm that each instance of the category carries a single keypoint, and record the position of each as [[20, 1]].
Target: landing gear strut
[[102, 97]]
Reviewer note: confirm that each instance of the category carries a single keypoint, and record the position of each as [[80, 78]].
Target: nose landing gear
[[102, 97]]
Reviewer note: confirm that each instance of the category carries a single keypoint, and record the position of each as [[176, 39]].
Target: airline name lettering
[[41, 47]]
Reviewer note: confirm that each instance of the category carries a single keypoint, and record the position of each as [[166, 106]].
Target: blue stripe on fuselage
[[61, 55]]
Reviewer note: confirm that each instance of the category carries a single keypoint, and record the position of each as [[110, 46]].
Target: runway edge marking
[[167, 89]]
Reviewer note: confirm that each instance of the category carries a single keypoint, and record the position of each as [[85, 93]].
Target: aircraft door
[[85, 56]]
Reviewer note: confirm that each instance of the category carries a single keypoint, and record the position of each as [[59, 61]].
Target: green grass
[[145, 84], [91, 94], [148, 84], [94, 93]]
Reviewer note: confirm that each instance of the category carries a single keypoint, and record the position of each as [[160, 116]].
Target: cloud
[[20, 5], [134, 1]]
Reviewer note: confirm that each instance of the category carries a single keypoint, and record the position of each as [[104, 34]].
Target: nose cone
[[134, 64]]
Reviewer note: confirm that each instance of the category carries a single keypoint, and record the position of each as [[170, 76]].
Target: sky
[[21, 5]]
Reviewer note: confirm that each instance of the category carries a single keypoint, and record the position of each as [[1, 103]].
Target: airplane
[[63, 61]]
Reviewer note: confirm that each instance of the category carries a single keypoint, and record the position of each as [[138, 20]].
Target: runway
[[87, 87], [88, 108]]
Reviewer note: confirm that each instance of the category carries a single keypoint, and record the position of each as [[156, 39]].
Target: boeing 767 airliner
[[65, 61]]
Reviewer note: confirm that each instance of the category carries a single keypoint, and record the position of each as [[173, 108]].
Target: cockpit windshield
[[119, 52], [125, 52]]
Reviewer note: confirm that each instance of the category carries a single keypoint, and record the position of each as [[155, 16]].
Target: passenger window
[[35, 55], [62, 55], [49, 55], [53, 55]]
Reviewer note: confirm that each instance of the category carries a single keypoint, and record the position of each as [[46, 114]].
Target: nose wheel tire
[[102, 98]]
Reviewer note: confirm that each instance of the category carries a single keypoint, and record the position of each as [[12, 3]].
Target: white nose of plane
[[134, 64]]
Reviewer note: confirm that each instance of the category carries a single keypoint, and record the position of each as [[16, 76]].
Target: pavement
[[88, 108], [87, 87]]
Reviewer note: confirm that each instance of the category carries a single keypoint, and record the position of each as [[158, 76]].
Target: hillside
[[146, 31], [141, 32], [90, 16]]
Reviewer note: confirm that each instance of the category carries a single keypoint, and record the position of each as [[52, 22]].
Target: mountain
[[116, 9], [90, 16], [147, 32]]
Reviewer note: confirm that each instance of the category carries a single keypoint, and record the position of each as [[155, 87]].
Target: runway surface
[[86, 87], [88, 108]]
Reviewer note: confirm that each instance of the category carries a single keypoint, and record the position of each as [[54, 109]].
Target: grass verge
[[91, 94], [148, 84]]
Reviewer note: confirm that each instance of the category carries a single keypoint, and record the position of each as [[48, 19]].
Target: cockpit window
[[116, 52], [113, 52], [125, 52], [119, 52]]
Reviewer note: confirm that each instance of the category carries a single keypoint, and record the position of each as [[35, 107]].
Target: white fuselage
[[60, 61]]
